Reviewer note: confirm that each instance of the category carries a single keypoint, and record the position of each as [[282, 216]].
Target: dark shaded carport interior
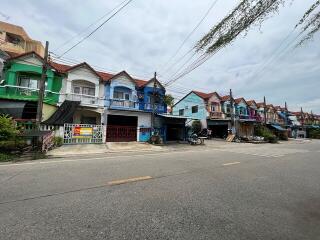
[[219, 128]]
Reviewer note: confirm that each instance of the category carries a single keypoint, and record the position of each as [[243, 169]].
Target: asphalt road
[[234, 191]]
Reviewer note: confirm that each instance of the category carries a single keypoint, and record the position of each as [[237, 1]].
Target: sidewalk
[[85, 149]]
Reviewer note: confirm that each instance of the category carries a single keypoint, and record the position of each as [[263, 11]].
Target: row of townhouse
[[78, 97], [215, 113]]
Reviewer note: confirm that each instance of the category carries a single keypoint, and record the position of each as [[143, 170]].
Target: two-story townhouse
[[244, 123], [19, 90], [254, 111], [81, 96], [129, 105], [219, 120]]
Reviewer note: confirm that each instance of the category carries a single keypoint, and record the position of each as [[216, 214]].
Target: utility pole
[[302, 117], [286, 113], [232, 113], [265, 110], [154, 101], [42, 87]]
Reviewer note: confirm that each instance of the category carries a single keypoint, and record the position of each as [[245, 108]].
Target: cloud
[[145, 35]]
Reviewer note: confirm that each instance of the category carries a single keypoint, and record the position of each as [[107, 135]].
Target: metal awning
[[64, 113], [277, 127], [18, 109], [218, 122], [172, 116]]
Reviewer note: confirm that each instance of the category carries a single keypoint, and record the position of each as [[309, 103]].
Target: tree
[[196, 126], [169, 100], [8, 129], [253, 12]]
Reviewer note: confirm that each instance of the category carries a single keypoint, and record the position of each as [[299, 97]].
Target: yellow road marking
[[232, 163], [122, 181]]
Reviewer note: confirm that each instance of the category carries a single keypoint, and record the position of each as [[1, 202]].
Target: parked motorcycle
[[194, 139]]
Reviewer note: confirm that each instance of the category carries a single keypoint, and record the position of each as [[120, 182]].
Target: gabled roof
[[238, 100], [122, 73], [225, 98], [141, 84], [24, 55], [251, 102], [260, 104], [84, 64], [105, 76], [203, 95], [60, 67]]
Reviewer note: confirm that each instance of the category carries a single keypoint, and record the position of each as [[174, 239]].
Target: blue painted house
[[129, 105]]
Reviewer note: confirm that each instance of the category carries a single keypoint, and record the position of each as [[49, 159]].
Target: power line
[[96, 29], [88, 27], [190, 34]]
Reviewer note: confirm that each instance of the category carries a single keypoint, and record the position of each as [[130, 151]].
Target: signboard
[[82, 132]]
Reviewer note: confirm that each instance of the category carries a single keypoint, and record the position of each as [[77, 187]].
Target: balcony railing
[[217, 115], [119, 103], [83, 99], [25, 93], [159, 108]]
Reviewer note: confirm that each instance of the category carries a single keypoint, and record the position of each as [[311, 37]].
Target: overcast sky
[[145, 35]]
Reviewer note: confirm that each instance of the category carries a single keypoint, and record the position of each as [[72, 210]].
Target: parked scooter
[[193, 139]]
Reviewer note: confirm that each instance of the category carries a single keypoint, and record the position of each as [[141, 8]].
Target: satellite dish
[[2, 81]]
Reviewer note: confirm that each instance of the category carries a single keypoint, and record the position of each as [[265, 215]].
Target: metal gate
[[121, 133], [82, 133]]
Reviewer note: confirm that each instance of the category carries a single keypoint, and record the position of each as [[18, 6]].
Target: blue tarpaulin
[[278, 127]]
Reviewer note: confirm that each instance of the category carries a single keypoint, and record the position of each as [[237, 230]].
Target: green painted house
[[20, 83]]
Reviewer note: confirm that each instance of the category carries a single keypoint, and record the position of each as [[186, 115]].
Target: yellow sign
[[82, 132]]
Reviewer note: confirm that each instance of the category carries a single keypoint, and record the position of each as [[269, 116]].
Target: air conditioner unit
[[187, 107], [93, 102]]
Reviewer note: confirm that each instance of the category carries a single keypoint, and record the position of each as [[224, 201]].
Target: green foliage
[[8, 128], [58, 141], [169, 100], [314, 133], [9, 135], [196, 126], [263, 131], [4, 157]]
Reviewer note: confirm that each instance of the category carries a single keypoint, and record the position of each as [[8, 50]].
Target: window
[[118, 95], [181, 112], [194, 109], [228, 108], [126, 96], [84, 90], [28, 82], [76, 90]]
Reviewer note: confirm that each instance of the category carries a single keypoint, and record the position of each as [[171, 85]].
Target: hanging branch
[[246, 14], [253, 12]]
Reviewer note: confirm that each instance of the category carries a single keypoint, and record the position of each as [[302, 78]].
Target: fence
[[82, 133]]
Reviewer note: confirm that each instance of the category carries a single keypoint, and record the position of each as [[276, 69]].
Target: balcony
[[217, 115], [25, 93], [86, 100], [123, 104]]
